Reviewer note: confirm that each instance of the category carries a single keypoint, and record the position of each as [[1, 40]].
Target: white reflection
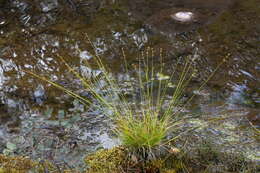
[[85, 55]]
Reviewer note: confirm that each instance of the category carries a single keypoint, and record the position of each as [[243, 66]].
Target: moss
[[106, 160], [170, 171], [15, 164], [119, 159], [21, 164], [206, 158], [209, 157]]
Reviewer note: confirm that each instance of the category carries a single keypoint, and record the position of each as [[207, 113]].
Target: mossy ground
[[106, 160], [117, 160], [15, 164], [206, 158], [21, 164]]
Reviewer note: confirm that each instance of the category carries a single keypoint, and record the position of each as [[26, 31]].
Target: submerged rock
[[48, 5], [183, 16], [39, 95], [174, 16], [177, 20]]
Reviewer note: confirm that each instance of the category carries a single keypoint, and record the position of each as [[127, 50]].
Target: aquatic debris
[[183, 16]]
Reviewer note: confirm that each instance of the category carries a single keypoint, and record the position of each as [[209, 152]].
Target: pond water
[[46, 123]]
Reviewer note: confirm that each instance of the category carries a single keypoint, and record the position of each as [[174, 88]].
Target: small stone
[[39, 94], [174, 150], [134, 159], [48, 5], [183, 16]]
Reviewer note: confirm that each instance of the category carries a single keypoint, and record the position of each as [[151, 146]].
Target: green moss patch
[[19, 164]]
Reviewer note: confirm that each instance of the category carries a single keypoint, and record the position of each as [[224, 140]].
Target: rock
[[178, 20], [48, 5], [183, 16], [253, 116], [87, 7], [12, 104], [39, 95], [160, 15]]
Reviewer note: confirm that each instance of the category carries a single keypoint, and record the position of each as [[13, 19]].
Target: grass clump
[[138, 124], [144, 132], [144, 121]]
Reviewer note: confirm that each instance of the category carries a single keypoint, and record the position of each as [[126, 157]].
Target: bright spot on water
[[14, 55], [85, 55], [2, 22], [182, 16]]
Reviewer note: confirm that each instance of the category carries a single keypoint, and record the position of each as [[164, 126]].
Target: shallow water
[[32, 35]]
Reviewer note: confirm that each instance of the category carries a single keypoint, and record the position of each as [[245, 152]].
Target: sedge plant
[[142, 122]]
